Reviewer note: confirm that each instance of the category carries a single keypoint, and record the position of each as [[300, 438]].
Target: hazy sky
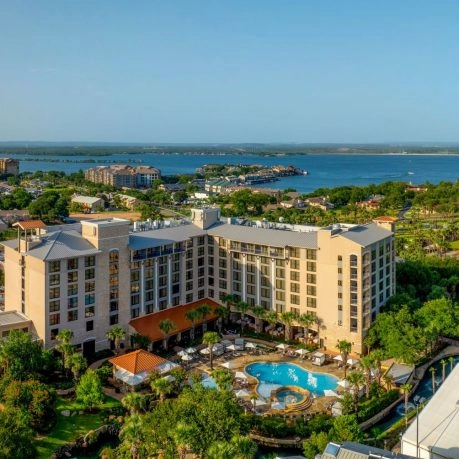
[[229, 71]]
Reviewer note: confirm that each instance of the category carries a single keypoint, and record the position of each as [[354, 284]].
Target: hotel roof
[[12, 318], [265, 236], [138, 361], [30, 224], [366, 234]]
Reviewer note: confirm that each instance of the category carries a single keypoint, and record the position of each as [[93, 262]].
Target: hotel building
[[9, 166], [91, 276], [122, 175]]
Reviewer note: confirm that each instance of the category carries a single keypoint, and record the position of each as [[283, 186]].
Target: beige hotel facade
[[91, 276]]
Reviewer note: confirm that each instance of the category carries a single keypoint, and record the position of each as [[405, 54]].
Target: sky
[[325, 71]]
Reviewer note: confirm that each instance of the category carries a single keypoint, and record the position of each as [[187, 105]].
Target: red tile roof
[[30, 224], [137, 361], [149, 325]]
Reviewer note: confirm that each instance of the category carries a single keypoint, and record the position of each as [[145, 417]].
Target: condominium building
[[103, 272], [9, 166], [122, 175]]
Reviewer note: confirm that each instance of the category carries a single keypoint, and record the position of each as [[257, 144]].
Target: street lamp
[[416, 404]]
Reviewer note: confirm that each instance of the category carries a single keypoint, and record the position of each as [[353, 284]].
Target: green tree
[[306, 320], [183, 436], [346, 428], [272, 318], [259, 312], [223, 378], [89, 390], [132, 435], [76, 363], [210, 339], [116, 335], [356, 379], [16, 435], [65, 344], [161, 387], [204, 310], [193, 315], [166, 326], [222, 315], [242, 307], [443, 362], [432, 372], [406, 388], [133, 401], [315, 444], [344, 348]]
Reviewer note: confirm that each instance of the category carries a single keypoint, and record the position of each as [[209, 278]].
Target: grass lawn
[[69, 428]]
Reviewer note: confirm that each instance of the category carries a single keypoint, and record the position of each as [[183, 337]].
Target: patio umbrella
[[302, 352], [186, 358], [352, 362], [205, 351], [330, 393], [338, 358], [251, 345], [241, 393], [229, 364], [282, 346], [240, 375], [191, 350], [231, 347], [344, 383], [278, 406], [259, 402], [182, 353]]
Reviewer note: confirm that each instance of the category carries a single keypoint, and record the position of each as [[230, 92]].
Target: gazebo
[[133, 368]]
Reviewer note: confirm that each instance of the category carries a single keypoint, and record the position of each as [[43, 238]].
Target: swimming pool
[[271, 376]]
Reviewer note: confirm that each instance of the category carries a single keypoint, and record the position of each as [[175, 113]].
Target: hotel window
[[251, 278], [72, 315], [201, 272], [135, 312], [72, 289], [89, 286], [189, 298], [201, 240], [54, 319], [54, 305], [135, 276], [295, 288], [54, 279], [114, 305], [280, 263], [72, 263], [311, 266], [189, 286], [311, 254], [72, 276], [266, 293], [113, 319], [222, 284], [294, 264], [251, 268], [265, 270], [135, 287], [211, 293], [113, 255], [251, 290], [89, 261], [280, 308], [54, 333], [201, 294], [90, 298], [89, 311], [201, 282], [72, 302], [236, 286], [189, 254], [295, 311], [311, 302], [280, 284], [280, 272], [280, 296], [201, 261], [89, 325], [295, 299], [54, 266], [90, 274], [294, 252], [200, 251], [311, 290], [54, 292], [135, 299]]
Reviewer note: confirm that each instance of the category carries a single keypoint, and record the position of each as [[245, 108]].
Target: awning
[[129, 378]]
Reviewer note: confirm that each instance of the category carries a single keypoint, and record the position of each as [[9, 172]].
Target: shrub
[[373, 406], [274, 427], [104, 372]]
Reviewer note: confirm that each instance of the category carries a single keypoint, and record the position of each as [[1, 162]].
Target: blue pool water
[[209, 382], [271, 376], [289, 396]]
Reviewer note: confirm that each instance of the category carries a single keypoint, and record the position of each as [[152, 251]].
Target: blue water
[[289, 395], [271, 376], [324, 170], [209, 382]]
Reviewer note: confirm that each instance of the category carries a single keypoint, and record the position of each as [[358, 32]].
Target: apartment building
[[9, 166], [123, 175], [103, 272]]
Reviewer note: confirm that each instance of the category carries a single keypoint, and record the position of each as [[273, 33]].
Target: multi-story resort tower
[[9, 166], [90, 276], [122, 175]]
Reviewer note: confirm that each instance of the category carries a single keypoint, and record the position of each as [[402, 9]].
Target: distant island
[[243, 149]]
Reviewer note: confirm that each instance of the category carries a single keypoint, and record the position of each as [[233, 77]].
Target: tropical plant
[[344, 348], [193, 315], [259, 312], [183, 435], [229, 300], [210, 339], [432, 372], [89, 390], [388, 380], [133, 401], [406, 392], [223, 378], [366, 364], [222, 314], [132, 435], [140, 341], [64, 347], [242, 307], [443, 362], [16, 434], [205, 310], [287, 319], [76, 363], [356, 379], [116, 335], [272, 318], [451, 362], [166, 326], [161, 387], [305, 320]]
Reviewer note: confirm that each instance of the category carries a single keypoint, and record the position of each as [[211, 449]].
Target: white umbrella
[[330, 393], [182, 353], [169, 378], [282, 346], [302, 351], [344, 383], [278, 406], [352, 362], [260, 402], [251, 345], [338, 358], [240, 375], [186, 358], [205, 351], [231, 347], [191, 350], [241, 393], [229, 364]]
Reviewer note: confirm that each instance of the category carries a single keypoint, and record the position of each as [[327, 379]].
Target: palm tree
[[443, 369], [161, 387], [193, 315], [245, 447], [318, 321], [133, 401], [366, 363], [377, 356], [132, 433], [259, 312], [166, 326], [344, 348], [115, 335], [222, 314], [242, 308], [220, 450], [211, 338], [406, 392], [140, 341], [204, 310], [451, 363], [355, 379], [223, 378], [306, 320], [76, 363], [183, 435], [287, 319], [229, 300], [388, 380], [65, 347], [272, 318], [432, 372]]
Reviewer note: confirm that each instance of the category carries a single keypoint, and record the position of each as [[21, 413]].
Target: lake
[[325, 170]]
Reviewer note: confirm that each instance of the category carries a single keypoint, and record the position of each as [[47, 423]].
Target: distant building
[[9, 166], [123, 175], [373, 202], [130, 202], [415, 188], [89, 203], [172, 187], [322, 202]]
